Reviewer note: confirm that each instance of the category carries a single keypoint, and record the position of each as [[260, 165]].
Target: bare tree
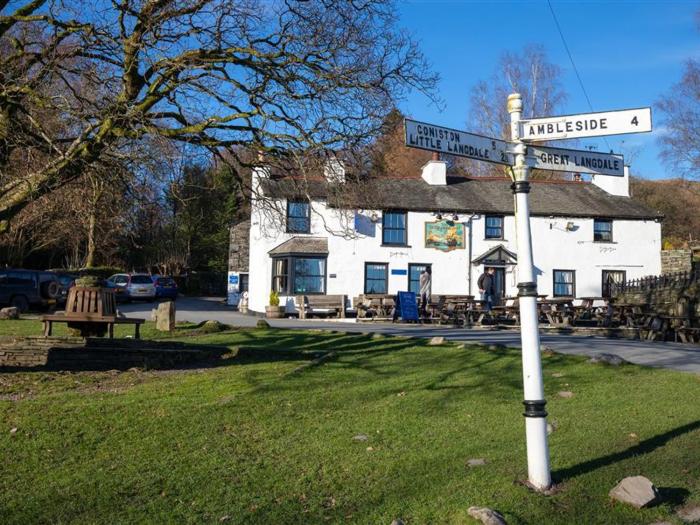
[[275, 75], [529, 73], [680, 110]]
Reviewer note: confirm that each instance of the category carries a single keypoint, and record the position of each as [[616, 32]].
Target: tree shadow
[[643, 447]]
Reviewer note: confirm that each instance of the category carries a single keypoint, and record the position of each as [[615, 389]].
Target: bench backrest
[[90, 301]]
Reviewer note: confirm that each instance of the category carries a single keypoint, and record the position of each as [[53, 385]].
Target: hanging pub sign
[[444, 235]]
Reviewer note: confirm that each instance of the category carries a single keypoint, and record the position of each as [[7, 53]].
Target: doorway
[[610, 278], [414, 271], [499, 285]]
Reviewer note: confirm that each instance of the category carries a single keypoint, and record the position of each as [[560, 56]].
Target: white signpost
[[454, 142], [574, 160], [586, 125], [521, 157]]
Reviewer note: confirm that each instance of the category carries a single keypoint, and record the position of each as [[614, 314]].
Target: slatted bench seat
[[321, 304], [93, 311]]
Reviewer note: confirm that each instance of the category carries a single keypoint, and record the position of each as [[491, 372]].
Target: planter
[[275, 312]]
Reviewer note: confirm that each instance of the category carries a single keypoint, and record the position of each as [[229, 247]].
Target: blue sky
[[628, 53]]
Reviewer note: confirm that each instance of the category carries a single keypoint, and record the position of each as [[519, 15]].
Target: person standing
[[487, 287], [425, 285]]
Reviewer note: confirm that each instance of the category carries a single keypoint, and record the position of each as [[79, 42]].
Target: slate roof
[[469, 195], [305, 245]]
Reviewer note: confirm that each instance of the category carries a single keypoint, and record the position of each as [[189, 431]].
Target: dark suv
[[25, 288]]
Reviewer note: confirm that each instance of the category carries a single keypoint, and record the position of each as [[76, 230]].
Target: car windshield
[[141, 279], [165, 281]]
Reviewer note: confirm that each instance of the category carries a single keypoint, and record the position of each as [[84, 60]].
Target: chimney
[[618, 186], [435, 171], [334, 171]]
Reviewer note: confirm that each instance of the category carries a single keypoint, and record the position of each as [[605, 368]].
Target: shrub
[[274, 299]]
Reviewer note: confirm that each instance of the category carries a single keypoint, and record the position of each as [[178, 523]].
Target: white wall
[[636, 249]]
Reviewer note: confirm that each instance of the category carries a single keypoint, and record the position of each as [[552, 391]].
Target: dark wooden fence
[[671, 280]]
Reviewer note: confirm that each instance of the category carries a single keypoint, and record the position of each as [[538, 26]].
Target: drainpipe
[[469, 255]]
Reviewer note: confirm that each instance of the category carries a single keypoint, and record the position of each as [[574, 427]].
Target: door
[[243, 283], [414, 271], [499, 285], [611, 277]]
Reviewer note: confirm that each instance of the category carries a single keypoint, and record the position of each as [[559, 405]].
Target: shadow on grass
[[644, 447]]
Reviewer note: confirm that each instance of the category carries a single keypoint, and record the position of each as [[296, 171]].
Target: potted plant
[[274, 310]]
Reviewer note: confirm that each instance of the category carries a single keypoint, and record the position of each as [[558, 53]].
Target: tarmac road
[[676, 356]]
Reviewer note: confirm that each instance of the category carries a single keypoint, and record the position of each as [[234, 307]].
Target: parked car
[[28, 288], [132, 286], [166, 287]]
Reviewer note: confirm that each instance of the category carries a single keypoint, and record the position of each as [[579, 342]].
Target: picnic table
[[557, 311]]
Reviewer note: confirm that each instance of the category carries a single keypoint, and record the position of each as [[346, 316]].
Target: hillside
[[679, 201]]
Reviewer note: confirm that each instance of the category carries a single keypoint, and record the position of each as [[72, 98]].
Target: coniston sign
[[453, 142]]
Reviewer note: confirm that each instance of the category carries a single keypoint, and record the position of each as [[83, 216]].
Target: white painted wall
[[636, 249]]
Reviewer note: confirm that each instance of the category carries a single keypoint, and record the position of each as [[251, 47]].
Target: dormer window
[[298, 216]]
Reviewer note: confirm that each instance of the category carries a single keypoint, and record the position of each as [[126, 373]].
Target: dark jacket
[[486, 283]]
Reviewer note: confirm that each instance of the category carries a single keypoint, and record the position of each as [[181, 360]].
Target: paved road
[[676, 356]]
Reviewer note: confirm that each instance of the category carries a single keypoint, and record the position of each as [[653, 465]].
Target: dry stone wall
[[676, 261], [239, 247]]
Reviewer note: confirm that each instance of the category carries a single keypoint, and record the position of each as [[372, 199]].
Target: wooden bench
[[321, 304], [93, 311]]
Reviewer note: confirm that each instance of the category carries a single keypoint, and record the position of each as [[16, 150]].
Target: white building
[[304, 239]]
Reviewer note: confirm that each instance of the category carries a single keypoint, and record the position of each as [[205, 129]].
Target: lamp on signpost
[[535, 414]]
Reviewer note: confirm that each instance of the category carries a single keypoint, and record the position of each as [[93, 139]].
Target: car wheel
[[50, 290], [20, 302]]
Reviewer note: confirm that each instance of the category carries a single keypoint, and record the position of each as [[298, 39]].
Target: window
[[280, 272], [610, 278], [298, 217], [297, 275], [309, 275], [564, 283], [494, 227], [376, 277], [414, 271], [602, 230], [394, 228], [141, 279]]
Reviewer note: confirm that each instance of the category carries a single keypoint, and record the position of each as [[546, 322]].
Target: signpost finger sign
[[454, 142], [586, 125], [579, 161]]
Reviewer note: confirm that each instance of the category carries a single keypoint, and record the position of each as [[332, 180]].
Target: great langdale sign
[[453, 142], [586, 125], [576, 161]]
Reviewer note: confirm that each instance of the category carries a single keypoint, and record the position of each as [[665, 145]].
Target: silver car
[[133, 286]]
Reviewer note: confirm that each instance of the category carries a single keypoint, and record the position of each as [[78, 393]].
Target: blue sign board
[[408, 307], [232, 279], [399, 272]]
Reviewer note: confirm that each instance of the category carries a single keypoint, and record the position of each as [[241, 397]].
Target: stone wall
[[676, 261], [678, 297], [239, 247], [77, 353]]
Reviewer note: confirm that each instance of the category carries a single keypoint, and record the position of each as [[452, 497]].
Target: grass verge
[[267, 437]]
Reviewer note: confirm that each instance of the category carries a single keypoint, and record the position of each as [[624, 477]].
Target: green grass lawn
[[260, 438]]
